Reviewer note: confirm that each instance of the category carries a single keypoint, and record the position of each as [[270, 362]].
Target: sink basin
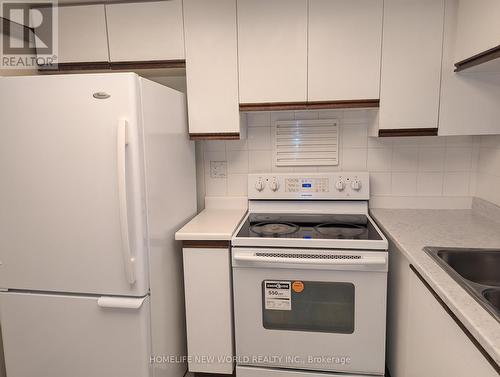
[[476, 270], [493, 297], [481, 267]]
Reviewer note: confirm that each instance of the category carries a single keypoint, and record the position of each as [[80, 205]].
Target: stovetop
[[308, 226]]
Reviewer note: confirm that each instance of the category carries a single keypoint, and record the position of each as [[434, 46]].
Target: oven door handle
[[379, 260]]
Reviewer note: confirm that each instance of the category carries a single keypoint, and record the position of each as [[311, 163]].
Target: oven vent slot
[[308, 256]]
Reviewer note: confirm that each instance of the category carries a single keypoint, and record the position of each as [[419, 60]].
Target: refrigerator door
[[77, 336], [72, 188]]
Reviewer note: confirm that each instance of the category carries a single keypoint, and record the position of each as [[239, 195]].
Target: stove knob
[[356, 185], [275, 185], [340, 185], [260, 184]]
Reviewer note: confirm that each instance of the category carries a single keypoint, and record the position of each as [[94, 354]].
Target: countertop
[[217, 222], [412, 230]]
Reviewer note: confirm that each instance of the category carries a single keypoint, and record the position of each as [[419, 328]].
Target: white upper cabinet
[[82, 34], [212, 67], [478, 27], [145, 31], [272, 50], [345, 39], [469, 100], [411, 64]]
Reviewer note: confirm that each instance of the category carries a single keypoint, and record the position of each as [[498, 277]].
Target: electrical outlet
[[218, 169]]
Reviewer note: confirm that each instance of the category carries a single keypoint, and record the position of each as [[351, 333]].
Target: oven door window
[[308, 306]]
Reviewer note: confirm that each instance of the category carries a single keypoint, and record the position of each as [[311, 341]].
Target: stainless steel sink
[[476, 270]]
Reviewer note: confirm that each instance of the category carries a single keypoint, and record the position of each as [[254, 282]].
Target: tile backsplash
[[488, 169], [412, 172]]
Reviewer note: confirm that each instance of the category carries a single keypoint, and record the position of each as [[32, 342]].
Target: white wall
[[488, 170], [418, 172]]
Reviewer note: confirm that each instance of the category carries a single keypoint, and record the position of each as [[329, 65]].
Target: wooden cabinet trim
[[314, 105], [474, 341], [482, 57], [206, 244], [132, 65], [398, 132], [215, 136]]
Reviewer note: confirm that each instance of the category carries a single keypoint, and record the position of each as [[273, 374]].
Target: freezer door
[[71, 195], [77, 336]]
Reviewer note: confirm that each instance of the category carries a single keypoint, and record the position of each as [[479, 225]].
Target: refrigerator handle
[[120, 302], [121, 148]]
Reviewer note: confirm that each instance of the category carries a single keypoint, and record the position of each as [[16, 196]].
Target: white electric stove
[[309, 278]]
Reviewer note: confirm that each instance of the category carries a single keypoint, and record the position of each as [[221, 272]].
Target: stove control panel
[[319, 186]]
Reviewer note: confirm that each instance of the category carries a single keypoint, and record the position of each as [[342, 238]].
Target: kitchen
[[249, 187]]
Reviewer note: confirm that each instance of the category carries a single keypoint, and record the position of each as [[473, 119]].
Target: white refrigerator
[[96, 174]]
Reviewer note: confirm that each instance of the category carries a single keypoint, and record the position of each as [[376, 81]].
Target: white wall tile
[[237, 145], [331, 114], [380, 142], [456, 184], [259, 138], [431, 159], [430, 184], [237, 185], [353, 159], [215, 146], [401, 168], [404, 184], [405, 159], [237, 162], [259, 161], [432, 141], [282, 115], [306, 115], [459, 141], [354, 136], [380, 184], [458, 159], [258, 119], [379, 159], [358, 116]]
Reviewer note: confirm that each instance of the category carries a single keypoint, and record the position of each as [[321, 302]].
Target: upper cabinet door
[[411, 64], [478, 27], [82, 34], [345, 39], [145, 31], [212, 67], [272, 50]]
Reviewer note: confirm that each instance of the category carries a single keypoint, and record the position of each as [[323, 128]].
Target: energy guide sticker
[[277, 295]]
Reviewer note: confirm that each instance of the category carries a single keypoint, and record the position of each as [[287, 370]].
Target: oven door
[[310, 309]]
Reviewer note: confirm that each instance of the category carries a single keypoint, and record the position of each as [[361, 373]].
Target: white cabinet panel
[[436, 345], [145, 31], [478, 27], [82, 34], [212, 66], [411, 63], [64, 335], [469, 100], [272, 50], [345, 39], [209, 310]]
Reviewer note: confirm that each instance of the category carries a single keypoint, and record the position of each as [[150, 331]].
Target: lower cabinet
[[209, 309], [423, 339]]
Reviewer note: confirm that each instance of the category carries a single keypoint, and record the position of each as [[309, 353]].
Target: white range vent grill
[[306, 142]]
